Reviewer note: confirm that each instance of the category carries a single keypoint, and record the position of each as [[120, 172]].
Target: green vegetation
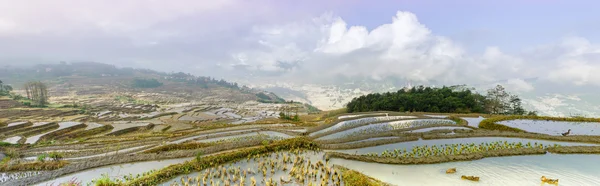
[[42, 157], [454, 149], [104, 181], [352, 177], [289, 117], [211, 161], [146, 83], [454, 99], [33, 166], [311, 109], [272, 98]]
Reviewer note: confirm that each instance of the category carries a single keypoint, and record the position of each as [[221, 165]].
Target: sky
[[450, 42]]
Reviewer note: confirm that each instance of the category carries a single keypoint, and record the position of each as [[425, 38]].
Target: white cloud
[[259, 37], [519, 85]]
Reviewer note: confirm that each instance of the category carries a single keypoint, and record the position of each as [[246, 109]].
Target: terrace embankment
[[398, 132], [368, 143], [468, 156], [33, 166], [352, 177], [85, 133], [575, 150], [438, 159]]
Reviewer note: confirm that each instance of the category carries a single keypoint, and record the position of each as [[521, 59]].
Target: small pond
[[555, 127]]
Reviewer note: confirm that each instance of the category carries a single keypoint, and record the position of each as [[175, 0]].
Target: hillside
[[107, 83]]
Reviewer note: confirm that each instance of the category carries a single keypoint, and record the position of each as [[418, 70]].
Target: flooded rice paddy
[[115, 171], [281, 168], [571, 170], [62, 125], [358, 122], [387, 126], [555, 127], [474, 122]]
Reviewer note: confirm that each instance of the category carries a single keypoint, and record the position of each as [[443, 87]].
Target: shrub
[[42, 157], [56, 156], [199, 155], [104, 181]]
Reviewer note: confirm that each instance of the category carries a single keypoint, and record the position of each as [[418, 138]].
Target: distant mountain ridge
[[98, 78]]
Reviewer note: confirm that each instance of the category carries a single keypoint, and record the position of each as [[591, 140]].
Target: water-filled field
[[62, 125], [474, 122], [282, 152], [358, 122], [555, 127], [282, 168], [571, 170], [116, 171], [387, 126]]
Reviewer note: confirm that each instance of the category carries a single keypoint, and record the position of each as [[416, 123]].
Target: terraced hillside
[[208, 144]]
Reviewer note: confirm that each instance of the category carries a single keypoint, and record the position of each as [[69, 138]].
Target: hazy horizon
[[265, 41]]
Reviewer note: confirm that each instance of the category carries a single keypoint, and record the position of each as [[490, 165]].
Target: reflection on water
[[358, 122], [277, 166], [387, 126], [555, 127], [409, 145], [575, 170], [115, 171], [474, 122], [439, 128]]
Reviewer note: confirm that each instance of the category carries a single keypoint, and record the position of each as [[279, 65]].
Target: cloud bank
[[264, 38]]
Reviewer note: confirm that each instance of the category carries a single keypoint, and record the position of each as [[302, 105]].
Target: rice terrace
[[144, 127]]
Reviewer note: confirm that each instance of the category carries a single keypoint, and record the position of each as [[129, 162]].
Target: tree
[[37, 92], [515, 106], [146, 83], [497, 100], [4, 89]]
